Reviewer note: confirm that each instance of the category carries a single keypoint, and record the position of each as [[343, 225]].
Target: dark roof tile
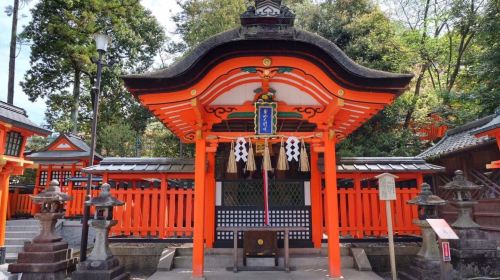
[[18, 117], [142, 165], [459, 139], [493, 124]]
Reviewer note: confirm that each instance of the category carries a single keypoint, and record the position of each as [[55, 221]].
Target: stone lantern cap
[[426, 198], [105, 199], [461, 187], [459, 183], [51, 194]]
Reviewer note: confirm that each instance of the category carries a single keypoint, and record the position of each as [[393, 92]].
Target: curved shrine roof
[[312, 81], [263, 42]]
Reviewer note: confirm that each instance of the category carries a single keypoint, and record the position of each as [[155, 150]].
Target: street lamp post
[[102, 42]]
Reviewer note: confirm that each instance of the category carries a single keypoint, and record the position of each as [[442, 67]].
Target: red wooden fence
[[19, 204], [363, 214], [167, 211], [154, 212], [74, 207]]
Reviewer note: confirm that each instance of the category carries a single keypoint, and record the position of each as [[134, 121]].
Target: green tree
[[158, 141], [201, 19], [117, 139], [62, 50], [443, 38], [13, 10], [480, 85]]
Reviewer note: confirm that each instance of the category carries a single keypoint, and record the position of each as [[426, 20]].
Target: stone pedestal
[[426, 264], [473, 254], [422, 269], [101, 264], [47, 257]]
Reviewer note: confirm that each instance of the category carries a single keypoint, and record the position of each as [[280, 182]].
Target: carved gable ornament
[[268, 8]]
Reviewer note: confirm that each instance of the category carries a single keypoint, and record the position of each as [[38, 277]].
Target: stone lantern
[[427, 209], [473, 254], [101, 264], [47, 256], [426, 263], [462, 200]]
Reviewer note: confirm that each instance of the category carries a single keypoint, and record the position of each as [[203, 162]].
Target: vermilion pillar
[[4, 200], [316, 201], [210, 201], [331, 199], [199, 207]]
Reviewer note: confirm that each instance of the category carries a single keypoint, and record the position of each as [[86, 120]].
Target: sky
[[163, 10]]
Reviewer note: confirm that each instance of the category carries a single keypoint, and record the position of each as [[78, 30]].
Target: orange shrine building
[[63, 160], [262, 85], [15, 129], [265, 105]]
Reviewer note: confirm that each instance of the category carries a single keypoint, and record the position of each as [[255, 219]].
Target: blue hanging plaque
[[265, 118]]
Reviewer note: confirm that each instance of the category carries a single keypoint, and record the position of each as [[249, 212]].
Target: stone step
[[184, 251], [23, 222], [10, 257], [14, 248], [16, 241], [223, 261], [344, 251], [33, 228], [21, 234]]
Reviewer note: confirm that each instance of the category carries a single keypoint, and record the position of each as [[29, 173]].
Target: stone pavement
[[312, 274], [4, 275]]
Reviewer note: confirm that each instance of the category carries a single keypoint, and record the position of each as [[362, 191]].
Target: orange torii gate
[[310, 88]]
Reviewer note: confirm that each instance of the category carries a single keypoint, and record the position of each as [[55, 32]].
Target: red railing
[[363, 214], [19, 204], [142, 214], [164, 210], [74, 207]]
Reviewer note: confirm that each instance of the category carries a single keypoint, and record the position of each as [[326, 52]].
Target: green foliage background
[[451, 46]]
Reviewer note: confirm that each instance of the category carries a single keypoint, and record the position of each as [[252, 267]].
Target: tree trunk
[[413, 105], [76, 101], [12, 55]]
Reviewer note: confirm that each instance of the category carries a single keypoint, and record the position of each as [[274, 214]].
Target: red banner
[[446, 251]]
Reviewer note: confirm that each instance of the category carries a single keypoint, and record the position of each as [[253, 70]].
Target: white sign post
[[387, 192]]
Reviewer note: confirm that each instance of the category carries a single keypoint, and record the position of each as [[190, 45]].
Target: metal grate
[[43, 178], [242, 206], [13, 144], [78, 174], [253, 216], [56, 175], [250, 193], [65, 178]]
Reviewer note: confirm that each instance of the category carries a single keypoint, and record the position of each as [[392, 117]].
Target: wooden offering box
[[260, 244]]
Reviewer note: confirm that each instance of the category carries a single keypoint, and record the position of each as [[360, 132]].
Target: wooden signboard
[[386, 186], [442, 229], [387, 192]]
